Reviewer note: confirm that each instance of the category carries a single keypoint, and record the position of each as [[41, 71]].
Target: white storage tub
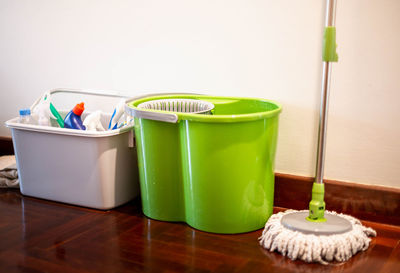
[[85, 168]]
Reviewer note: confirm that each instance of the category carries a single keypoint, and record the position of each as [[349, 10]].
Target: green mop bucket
[[211, 166]]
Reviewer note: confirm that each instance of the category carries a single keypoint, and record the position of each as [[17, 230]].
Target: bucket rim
[[13, 124], [209, 118]]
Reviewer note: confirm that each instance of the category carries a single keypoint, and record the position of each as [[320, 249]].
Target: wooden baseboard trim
[[371, 203], [365, 202], [6, 146]]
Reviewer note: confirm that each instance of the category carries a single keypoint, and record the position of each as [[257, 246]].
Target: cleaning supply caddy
[[207, 161], [87, 168]]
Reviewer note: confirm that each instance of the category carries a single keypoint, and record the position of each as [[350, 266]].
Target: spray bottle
[[42, 112], [55, 114], [73, 119], [93, 122], [116, 115], [45, 110]]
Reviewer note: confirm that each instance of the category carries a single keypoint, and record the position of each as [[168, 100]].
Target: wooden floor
[[43, 236]]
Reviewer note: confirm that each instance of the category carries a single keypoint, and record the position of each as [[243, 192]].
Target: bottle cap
[[24, 112], [78, 109]]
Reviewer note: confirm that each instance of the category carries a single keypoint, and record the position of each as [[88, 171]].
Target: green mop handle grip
[[329, 45]]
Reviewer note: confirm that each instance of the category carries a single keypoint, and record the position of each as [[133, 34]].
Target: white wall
[[258, 48]]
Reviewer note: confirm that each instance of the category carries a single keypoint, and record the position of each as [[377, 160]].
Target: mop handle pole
[[329, 56]]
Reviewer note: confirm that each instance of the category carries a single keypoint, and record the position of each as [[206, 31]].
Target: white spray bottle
[[116, 115], [42, 111], [93, 122]]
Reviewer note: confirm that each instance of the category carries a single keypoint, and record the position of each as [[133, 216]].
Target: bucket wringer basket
[[207, 161], [179, 105]]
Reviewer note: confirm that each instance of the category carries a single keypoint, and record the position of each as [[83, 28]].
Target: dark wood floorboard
[[43, 236]]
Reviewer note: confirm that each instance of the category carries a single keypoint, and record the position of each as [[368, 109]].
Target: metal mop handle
[[317, 204], [326, 77]]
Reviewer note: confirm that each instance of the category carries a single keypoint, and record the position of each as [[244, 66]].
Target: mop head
[[315, 248]]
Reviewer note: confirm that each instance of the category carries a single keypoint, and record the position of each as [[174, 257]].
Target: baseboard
[[366, 202], [6, 146], [371, 203]]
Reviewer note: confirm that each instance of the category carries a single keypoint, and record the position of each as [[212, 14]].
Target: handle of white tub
[[111, 94]]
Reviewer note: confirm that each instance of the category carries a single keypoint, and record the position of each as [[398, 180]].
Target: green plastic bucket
[[214, 171]]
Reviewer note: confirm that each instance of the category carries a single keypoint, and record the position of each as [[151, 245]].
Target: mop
[[316, 235]]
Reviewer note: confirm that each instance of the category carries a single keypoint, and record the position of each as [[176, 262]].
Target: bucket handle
[[165, 117]]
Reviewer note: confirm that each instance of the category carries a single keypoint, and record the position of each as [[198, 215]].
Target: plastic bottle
[[93, 121], [25, 116], [57, 115], [116, 115], [54, 113], [41, 112], [73, 119]]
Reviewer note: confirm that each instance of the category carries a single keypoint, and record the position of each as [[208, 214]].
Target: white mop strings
[[315, 248]]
